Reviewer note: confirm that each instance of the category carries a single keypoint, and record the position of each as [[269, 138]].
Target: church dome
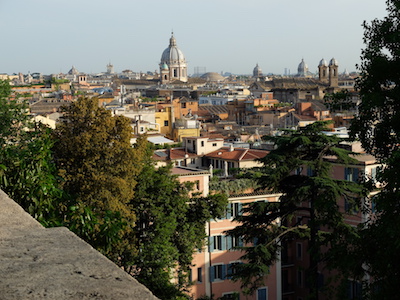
[[303, 68], [73, 71], [323, 63], [164, 66], [257, 72], [172, 54], [212, 76], [333, 62]]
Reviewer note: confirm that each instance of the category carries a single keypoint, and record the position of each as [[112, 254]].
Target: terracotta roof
[[48, 105], [212, 109], [212, 135], [318, 105], [137, 81], [304, 118], [362, 159], [197, 80], [238, 154], [294, 83]]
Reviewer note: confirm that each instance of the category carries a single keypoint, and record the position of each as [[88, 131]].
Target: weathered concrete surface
[[53, 263]]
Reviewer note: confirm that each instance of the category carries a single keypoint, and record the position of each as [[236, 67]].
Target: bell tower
[[323, 71], [333, 73]]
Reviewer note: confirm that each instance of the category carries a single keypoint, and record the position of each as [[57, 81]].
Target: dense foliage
[[86, 175], [28, 174], [297, 169], [339, 101], [378, 128], [170, 226], [96, 163]]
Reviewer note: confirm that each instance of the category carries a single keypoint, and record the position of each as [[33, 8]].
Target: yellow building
[[164, 118], [180, 133]]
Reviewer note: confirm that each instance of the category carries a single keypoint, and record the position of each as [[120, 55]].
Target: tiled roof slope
[[237, 154]]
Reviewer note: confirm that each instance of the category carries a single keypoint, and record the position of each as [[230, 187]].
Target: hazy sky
[[49, 36]]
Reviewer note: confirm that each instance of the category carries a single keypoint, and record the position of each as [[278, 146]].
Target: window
[[373, 173], [230, 296], [214, 144], [199, 275], [234, 210], [262, 293], [233, 241], [299, 250], [217, 243], [351, 206], [197, 185], [310, 172], [189, 141], [183, 105], [202, 143], [300, 278], [166, 123], [231, 270], [298, 171], [217, 272], [192, 161], [320, 280], [351, 174], [354, 290]]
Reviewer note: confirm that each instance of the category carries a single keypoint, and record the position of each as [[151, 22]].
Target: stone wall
[[53, 263]]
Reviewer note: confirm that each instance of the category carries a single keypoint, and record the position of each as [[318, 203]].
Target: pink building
[[295, 258], [212, 266]]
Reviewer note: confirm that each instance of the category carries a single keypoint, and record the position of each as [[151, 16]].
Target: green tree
[[339, 101], [312, 192], [378, 127], [97, 165], [170, 227], [14, 116], [27, 169]]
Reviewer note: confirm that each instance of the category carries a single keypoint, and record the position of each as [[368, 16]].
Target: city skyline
[[50, 36]]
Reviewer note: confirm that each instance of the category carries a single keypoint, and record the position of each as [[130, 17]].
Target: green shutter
[[210, 244], [229, 242], [212, 274], [229, 211]]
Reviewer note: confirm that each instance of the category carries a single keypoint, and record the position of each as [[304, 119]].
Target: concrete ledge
[[53, 263]]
